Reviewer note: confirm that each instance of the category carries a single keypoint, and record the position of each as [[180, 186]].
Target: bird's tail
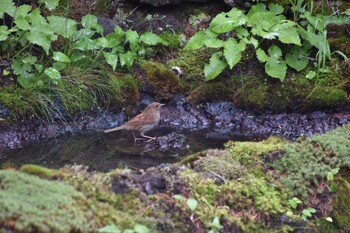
[[114, 129]]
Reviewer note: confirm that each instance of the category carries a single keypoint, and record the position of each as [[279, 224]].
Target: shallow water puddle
[[103, 152]]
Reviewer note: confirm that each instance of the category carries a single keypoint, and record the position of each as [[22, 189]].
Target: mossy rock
[[31, 204], [296, 93], [163, 82], [192, 64], [40, 171], [210, 91], [341, 204], [219, 165], [306, 163]]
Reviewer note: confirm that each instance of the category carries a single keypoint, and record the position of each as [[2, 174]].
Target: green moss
[[328, 97], [218, 164], [30, 204], [192, 63], [163, 82], [250, 154], [341, 205], [40, 171], [173, 39], [210, 91], [296, 93], [308, 162]]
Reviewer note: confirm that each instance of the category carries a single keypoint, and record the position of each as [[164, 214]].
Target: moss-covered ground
[[266, 186]]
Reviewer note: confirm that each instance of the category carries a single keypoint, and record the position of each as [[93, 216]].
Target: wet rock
[[3, 111], [157, 3], [120, 185], [153, 183], [172, 142]]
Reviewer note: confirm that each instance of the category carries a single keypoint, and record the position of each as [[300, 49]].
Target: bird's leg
[[145, 136], [135, 138]]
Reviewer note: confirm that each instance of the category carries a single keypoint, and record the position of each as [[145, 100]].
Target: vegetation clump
[[30, 204], [306, 164], [163, 82]]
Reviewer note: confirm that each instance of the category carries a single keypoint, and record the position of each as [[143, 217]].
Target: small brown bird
[[144, 122]]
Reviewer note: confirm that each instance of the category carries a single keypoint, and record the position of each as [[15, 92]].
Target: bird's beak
[[162, 105]]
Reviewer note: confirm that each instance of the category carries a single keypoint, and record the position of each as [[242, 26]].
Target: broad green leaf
[[226, 22], [192, 204], [152, 39], [261, 23], [77, 56], [138, 228], [22, 23], [285, 31], [22, 11], [197, 41], [63, 26], [4, 33], [36, 19], [276, 8], [111, 59], [53, 74], [127, 59], [50, 4], [260, 7], [261, 55], [214, 43], [232, 51], [59, 65], [310, 75], [275, 66], [215, 67], [347, 12], [36, 36], [132, 36], [90, 22], [61, 57], [84, 44], [29, 59], [179, 197], [337, 20], [101, 43], [115, 39], [216, 223], [110, 229], [296, 58], [241, 32], [7, 6]]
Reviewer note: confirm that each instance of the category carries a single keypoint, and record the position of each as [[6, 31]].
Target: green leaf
[[347, 11], [275, 67], [90, 22], [233, 51], [84, 44], [152, 39], [116, 38], [310, 75], [110, 229], [138, 228], [215, 67], [111, 59], [50, 4], [59, 65], [214, 43], [77, 56], [63, 26], [132, 37], [197, 41], [22, 11], [192, 204], [261, 23], [216, 223], [285, 31], [4, 33], [61, 57], [260, 7], [276, 8], [261, 55], [127, 59], [296, 58], [225, 22], [35, 36], [53, 74], [7, 6], [179, 197], [22, 23]]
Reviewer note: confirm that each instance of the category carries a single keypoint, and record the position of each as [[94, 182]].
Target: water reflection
[[104, 152]]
